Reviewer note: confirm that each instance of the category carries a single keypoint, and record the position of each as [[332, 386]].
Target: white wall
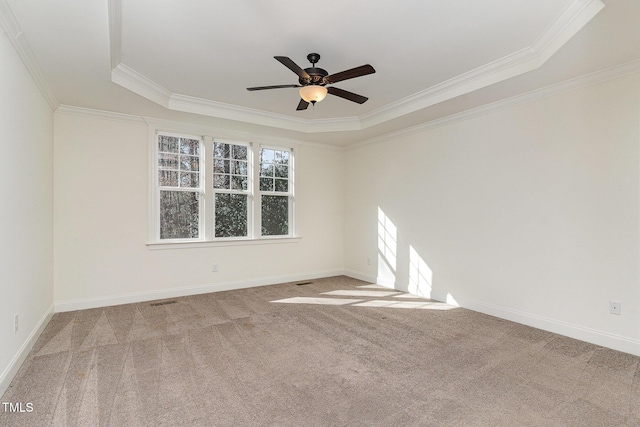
[[530, 213], [101, 227], [26, 216]]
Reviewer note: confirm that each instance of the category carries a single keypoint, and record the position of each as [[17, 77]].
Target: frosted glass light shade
[[313, 93]]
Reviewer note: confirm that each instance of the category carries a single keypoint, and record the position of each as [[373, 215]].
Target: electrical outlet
[[214, 268], [615, 308], [15, 323], [368, 261]]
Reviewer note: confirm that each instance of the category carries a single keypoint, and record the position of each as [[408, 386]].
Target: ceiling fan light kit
[[312, 81], [313, 93]]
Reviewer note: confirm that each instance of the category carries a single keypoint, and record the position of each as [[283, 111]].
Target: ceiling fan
[[312, 81]]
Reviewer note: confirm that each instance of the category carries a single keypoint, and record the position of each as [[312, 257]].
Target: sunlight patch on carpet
[[359, 293], [322, 301], [406, 304], [410, 296], [374, 287]]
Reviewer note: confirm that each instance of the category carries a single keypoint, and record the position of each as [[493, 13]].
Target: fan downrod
[[316, 75]]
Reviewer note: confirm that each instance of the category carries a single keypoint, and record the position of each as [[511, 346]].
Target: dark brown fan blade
[[363, 70], [302, 105], [347, 95], [287, 62], [271, 87]]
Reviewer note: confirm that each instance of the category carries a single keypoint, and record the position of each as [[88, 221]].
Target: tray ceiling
[[200, 56]]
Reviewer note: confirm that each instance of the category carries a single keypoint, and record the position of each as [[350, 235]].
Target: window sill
[[218, 243]]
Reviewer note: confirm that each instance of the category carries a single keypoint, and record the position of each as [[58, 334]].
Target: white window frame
[[207, 194], [155, 193], [249, 192], [290, 193]]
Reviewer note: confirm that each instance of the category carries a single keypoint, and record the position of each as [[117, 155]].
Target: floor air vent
[[304, 283], [156, 304]]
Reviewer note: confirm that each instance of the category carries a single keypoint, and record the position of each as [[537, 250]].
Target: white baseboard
[[605, 339], [592, 336], [362, 276], [82, 304], [17, 361]]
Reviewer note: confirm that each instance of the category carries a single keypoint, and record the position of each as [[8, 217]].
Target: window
[[231, 187], [205, 190], [274, 191], [179, 186]]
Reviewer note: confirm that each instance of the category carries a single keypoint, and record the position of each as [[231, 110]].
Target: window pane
[[282, 185], [281, 157], [275, 215], [179, 215], [231, 215], [274, 170], [239, 168], [221, 181], [221, 150], [167, 178], [189, 163], [285, 157], [168, 161], [185, 164], [240, 152], [238, 182], [189, 146], [266, 170], [189, 180], [266, 155], [168, 143], [220, 166], [266, 184], [178, 154], [281, 171]]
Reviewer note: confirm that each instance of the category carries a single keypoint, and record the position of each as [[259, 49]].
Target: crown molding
[[14, 32], [568, 85], [222, 110], [166, 125], [497, 71], [573, 18], [138, 83], [232, 134], [99, 114], [181, 127], [115, 31]]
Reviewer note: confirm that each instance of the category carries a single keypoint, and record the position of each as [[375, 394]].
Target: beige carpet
[[335, 352]]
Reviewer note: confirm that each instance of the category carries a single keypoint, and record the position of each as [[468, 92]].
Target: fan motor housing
[[316, 77]]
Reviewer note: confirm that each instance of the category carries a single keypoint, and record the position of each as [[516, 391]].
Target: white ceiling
[[193, 59]]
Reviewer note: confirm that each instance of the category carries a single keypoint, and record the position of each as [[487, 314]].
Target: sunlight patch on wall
[[451, 300], [387, 239], [387, 249], [420, 275]]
